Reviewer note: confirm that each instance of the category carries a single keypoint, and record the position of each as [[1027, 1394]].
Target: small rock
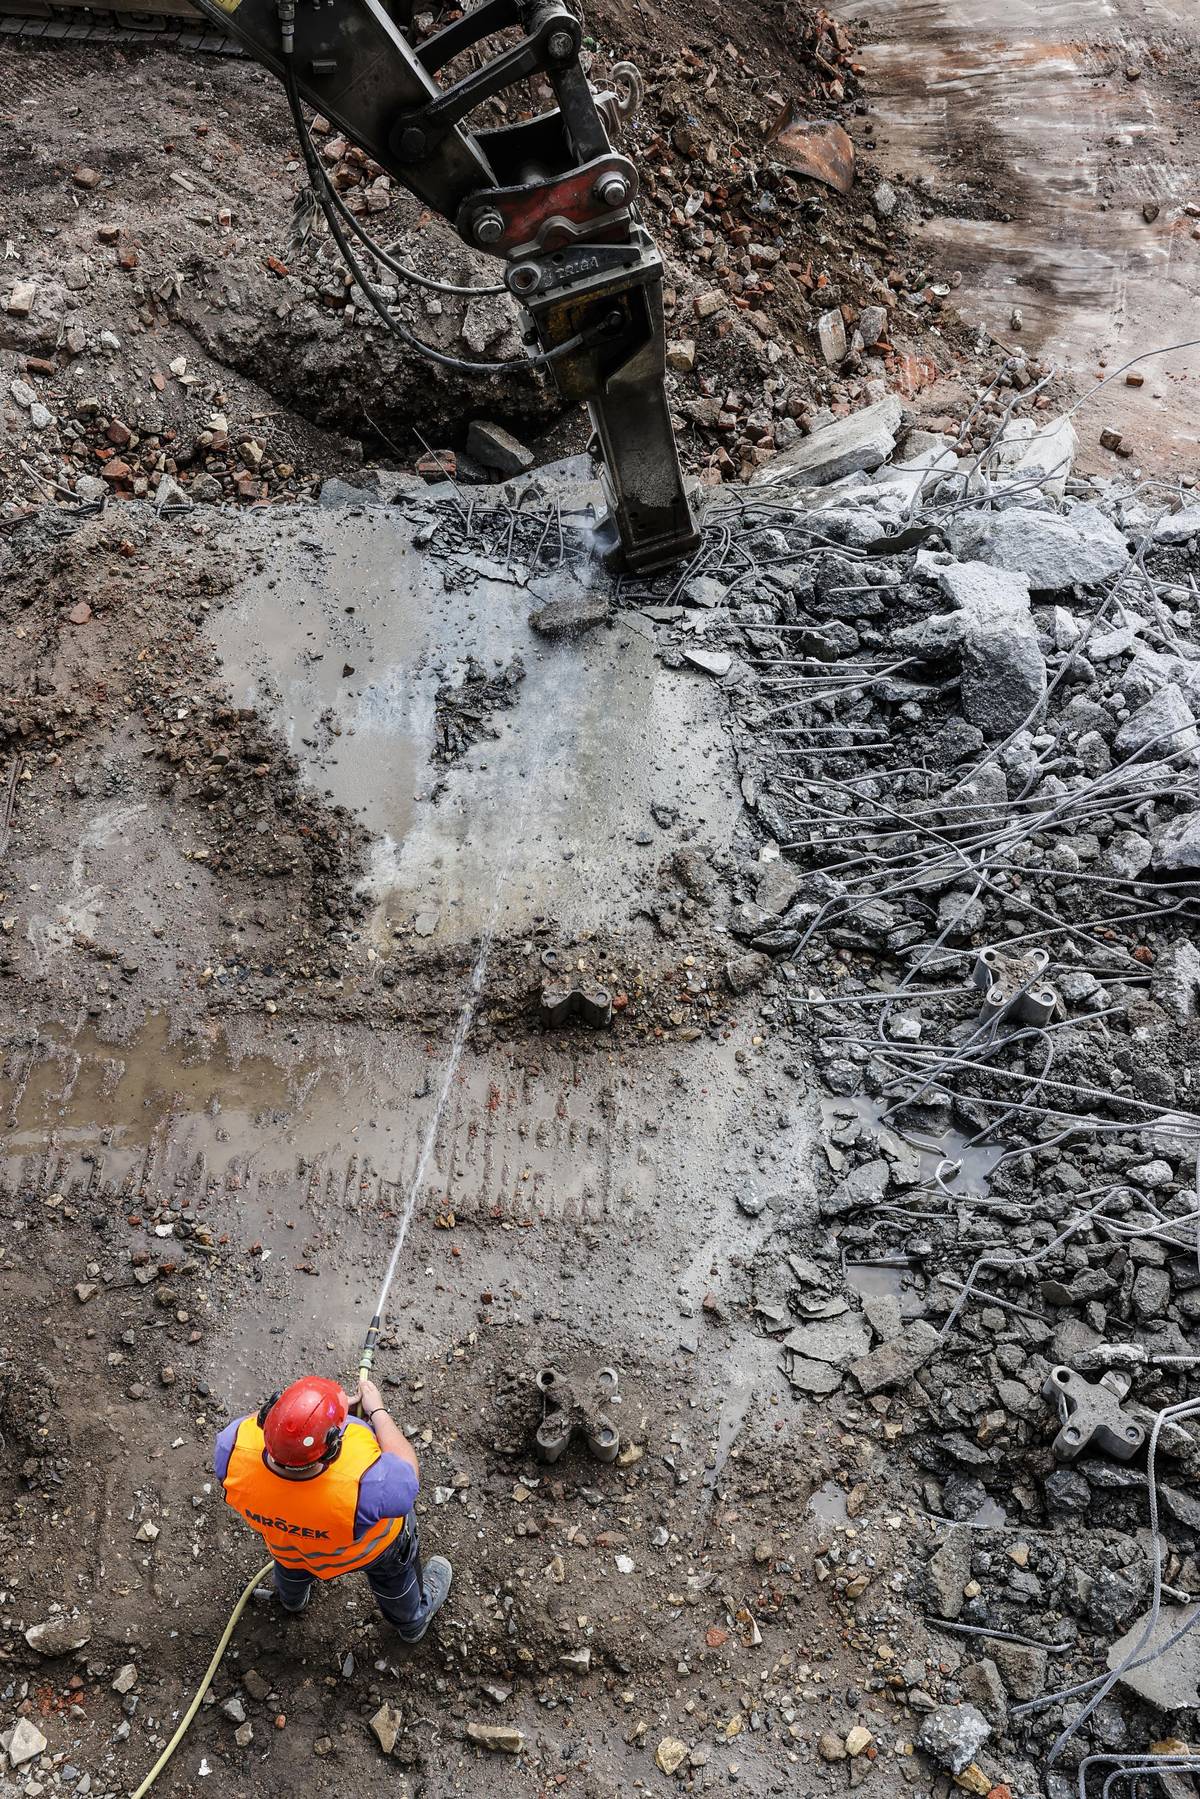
[[25, 1742], [20, 300], [831, 335], [387, 1724], [711, 662], [567, 617], [953, 1735], [892, 1363], [742, 973], [830, 1747], [59, 1635], [671, 1754], [502, 1739], [858, 1740], [125, 1679]]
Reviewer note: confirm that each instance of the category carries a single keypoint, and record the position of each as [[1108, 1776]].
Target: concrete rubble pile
[[964, 693]]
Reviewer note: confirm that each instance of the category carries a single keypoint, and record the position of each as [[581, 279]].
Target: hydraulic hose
[[185, 1722]]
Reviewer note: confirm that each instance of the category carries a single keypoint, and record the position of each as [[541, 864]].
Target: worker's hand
[[369, 1397]]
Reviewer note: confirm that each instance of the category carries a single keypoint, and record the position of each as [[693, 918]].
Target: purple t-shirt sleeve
[[388, 1489], [224, 1449]]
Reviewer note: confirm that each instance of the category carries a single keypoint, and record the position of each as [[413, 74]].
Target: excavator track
[[170, 24]]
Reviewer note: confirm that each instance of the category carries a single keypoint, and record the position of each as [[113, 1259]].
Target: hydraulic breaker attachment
[[549, 195]]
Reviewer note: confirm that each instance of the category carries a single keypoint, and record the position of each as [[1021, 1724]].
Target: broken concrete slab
[[1178, 527], [1177, 847], [568, 617], [710, 662], [836, 1341], [895, 1362], [1054, 553], [857, 444], [1171, 1679], [1042, 453], [495, 448], [1164, 726], [1002, 669], [817, 1379]]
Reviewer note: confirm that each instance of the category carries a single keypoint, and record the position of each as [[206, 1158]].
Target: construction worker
[[330, 1494]]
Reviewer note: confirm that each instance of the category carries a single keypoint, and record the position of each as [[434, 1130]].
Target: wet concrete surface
[[344, 639], [1061, 142], [561, 1181]]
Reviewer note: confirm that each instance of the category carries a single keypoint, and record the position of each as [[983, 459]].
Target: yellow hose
[[215, 1663]]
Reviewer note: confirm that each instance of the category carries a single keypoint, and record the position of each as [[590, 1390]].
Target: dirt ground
[[281, 776]]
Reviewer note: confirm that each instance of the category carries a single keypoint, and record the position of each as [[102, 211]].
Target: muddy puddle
[[345, 638], [965, 1166], [1060, 143]]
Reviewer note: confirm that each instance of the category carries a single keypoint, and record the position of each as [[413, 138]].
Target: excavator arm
[[549, 195]]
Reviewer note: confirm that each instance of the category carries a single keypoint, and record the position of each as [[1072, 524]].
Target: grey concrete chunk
[[1177, 848], [1175, 982], [1171, 1681], [863, 1186], [1178, 527], [567, 617], [862, 442], [838, 1341], [1164, 726], [1022, 1668], [953, 1735], [1051, 551], [948, 1571], [495, 448], [895, 1362], [1003, 671]]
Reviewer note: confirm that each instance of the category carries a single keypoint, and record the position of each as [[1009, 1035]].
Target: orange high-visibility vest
[[309, 1524]]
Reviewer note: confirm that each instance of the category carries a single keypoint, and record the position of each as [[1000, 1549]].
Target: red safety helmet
[[304, 1423]]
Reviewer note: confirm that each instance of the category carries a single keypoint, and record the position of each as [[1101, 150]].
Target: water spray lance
[[366, 1360]]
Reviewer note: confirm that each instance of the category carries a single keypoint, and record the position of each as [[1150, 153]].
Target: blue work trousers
[[394, 1578]]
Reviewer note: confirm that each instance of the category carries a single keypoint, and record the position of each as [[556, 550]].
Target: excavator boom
[[549, 195]]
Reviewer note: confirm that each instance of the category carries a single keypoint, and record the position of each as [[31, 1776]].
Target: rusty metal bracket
[[563, 998], [1012, 986], [1092, 1415], [569, 1409]]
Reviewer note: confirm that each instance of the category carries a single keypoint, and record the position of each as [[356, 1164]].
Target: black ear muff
[[265, 1407]]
